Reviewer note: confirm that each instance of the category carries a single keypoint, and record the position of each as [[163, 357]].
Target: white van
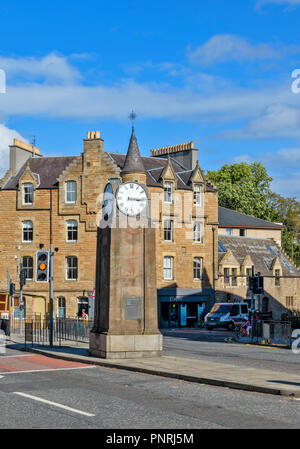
[[226, 314]]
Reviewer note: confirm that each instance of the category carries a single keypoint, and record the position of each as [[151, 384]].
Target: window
[[228, 231], [72, 231], [71, 192], [168, 230], [82, 306], [234, 277], [168, 268], [28, 193], [249, 275], [61, 307], [198, 232], [71, 268], [198, 268], [290, 302], [27, 235], [168, 192], [28, 266], [242, 232], [277, 278], [226, 276], [198, 194]]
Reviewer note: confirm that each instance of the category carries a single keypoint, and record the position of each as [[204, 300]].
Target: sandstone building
[[57, 200]]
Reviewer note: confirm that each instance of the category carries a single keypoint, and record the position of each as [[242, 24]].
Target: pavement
[[200, 371]]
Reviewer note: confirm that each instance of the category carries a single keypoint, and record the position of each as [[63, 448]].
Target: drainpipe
[[214, 228]]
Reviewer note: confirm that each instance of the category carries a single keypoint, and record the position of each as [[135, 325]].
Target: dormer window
[[277, 278], [198, 194], [28, 193], [71, 192], [168, 192]]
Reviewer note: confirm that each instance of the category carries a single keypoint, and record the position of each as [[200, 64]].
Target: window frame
[[28, 230], [168, 192], [197, 195], [198, 233], [277, 277], [68, 224], [59, 307], [69, 183], [168, 231], [24, 193], [234, 277], [71, 268], [197, 269], [168, 268], [27, 267], [227, 276]]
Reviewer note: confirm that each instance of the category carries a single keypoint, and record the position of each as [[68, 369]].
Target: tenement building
[[57, 202]]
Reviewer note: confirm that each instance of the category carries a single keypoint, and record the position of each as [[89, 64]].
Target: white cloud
[[52, 68], [6, 138], [276, 120], [287, 185], [228, 47], [283, 166]]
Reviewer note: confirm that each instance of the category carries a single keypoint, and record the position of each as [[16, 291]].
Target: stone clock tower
[[126, 298]]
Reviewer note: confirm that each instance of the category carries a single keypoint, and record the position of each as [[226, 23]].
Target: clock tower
[[126, 324]]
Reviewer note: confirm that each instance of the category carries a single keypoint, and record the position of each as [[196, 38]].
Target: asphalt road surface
[[212, 345], [37, 392]]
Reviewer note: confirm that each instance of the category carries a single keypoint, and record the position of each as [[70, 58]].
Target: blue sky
[[217, 72]]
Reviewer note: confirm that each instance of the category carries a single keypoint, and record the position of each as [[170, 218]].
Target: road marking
[[55, 404], [45, 370]]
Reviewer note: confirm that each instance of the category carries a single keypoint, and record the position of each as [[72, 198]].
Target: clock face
[[108, 202], [131, 198]]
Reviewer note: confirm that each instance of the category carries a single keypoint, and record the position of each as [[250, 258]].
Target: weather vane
[[132, 117]]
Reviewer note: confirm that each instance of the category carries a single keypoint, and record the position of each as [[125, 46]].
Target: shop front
[[182, 311]]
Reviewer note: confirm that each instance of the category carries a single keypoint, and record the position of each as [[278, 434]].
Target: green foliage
[[294, 318], [246, 188]]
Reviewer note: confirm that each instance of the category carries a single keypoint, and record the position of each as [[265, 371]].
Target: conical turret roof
[[133, 161]]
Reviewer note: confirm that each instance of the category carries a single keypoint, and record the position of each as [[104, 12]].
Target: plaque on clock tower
[[126, 323]]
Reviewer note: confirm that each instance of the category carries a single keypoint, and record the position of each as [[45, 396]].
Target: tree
[[288, 210], [244, 187]]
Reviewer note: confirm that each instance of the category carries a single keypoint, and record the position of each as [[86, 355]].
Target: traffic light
[[42, 266], [23, 275], [259, 284], [12, 289], [256, 284]]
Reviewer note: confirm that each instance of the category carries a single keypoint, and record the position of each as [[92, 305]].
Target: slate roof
[[155, 166], [133, 161], [232, 219], [263, 253], [48, 169]]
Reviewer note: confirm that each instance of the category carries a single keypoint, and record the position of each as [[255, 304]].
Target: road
[[37, 392], [211, 345]]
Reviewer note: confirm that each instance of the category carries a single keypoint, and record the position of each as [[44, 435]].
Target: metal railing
[[268, 332], [64, 329]]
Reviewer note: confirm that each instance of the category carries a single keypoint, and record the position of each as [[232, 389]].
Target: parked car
[[226, 315]]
